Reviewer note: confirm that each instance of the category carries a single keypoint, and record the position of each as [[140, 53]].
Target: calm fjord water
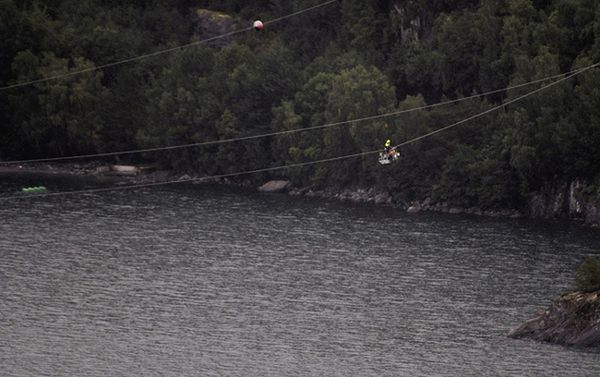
[[192, 281]]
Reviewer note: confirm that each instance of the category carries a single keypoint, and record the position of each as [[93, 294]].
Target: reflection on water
[[193, 281]]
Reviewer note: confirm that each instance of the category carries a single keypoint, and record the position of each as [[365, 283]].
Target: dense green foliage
[[348, 60], [587, 276]]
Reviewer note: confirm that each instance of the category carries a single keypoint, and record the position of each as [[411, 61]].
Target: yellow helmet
[[388, 142]]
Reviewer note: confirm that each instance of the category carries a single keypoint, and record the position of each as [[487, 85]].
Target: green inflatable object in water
[[34, 190]]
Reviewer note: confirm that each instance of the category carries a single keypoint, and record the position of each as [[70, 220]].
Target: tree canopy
[[349, 60]]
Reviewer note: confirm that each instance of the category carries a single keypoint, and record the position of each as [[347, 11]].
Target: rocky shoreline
[[549, 204], [573, 319], [72, 169], [370, 195], [564, 203]]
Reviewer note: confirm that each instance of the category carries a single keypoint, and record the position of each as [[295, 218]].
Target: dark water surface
[[191, 281]]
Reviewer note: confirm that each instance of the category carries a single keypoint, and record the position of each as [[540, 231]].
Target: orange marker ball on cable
[[258, 25]]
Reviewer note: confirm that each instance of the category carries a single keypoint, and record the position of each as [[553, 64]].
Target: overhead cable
[[302, 164], [159, 52], [286, 132]]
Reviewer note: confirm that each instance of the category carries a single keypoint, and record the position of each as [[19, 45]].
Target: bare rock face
[[275, 186], [209, 24], [572, 319], [576, 200]]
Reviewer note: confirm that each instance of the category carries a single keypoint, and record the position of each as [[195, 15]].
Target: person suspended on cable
[[389, 153]]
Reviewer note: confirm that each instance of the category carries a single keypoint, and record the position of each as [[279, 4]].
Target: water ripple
[[197, 282]]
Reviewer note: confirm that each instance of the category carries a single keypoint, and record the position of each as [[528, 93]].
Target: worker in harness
[[389, 154]]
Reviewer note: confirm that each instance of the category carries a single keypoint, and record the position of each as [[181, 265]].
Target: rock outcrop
[[576, 200], [275, 186], [118, 170], [572, 319], [210, 24]]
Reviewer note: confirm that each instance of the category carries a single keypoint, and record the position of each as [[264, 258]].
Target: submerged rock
[[572, 319]]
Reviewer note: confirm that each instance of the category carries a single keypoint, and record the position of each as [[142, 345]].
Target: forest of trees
[[347, 60]]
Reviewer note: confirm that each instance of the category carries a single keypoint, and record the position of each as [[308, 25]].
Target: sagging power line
[[308, 163], [286, 132], [160, 52]]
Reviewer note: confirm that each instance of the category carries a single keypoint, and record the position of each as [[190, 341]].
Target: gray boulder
[[275, 186]]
